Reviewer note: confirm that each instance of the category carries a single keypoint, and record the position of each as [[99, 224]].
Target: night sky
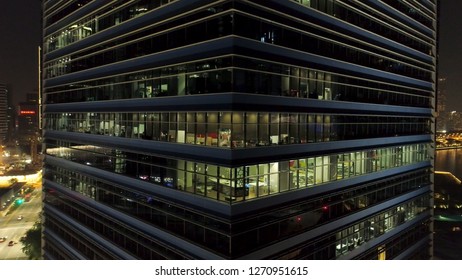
[[20, 33], [450, 52]]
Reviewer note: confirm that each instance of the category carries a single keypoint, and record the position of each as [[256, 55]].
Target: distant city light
[[27, 112]]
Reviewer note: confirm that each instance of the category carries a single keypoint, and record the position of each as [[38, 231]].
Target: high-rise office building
[[4, 120], [27, 120], [443, 115], [238, 129]]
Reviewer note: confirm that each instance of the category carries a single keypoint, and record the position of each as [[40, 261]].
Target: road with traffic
[[16, 223]]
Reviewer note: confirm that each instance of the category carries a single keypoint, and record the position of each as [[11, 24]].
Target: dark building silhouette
[[4, 116], [263, 129], [27, 120], [443, 117]]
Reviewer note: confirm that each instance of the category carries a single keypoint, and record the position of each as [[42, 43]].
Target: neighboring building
[[263, 129], [27, 130], [3, 114], [27, 121], [443, 116], [454, 121], [7, 116], [11, 116], [442, 96], [27, 126], [32, 97]]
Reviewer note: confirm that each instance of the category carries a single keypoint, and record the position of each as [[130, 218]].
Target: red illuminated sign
[[27, 112]]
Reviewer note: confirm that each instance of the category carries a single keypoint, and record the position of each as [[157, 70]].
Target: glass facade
[[240, 74], [242, 182], [345, 241], [250, 232], [229, 23], [102, 19], [238, 129]]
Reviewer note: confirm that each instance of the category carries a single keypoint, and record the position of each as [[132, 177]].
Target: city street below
[[15, 221]]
